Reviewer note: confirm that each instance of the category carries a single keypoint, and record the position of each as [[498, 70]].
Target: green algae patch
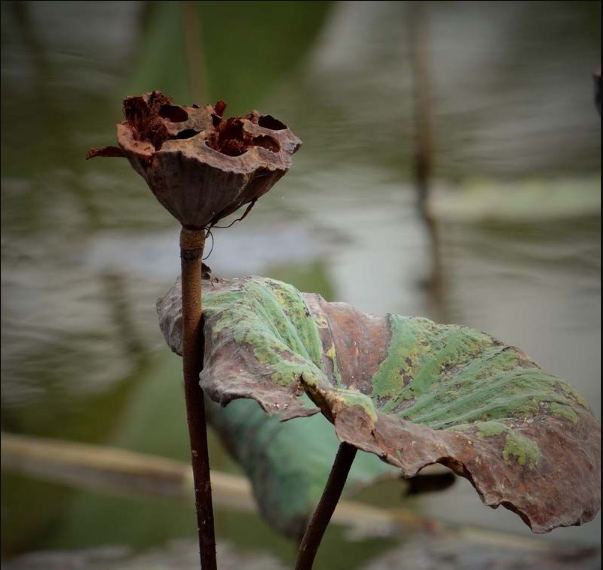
[[461, 428], [404, 354], [570, 391], [338, 399], [564, 411], [491, 429], [521, 449], [483, 430], [274, 322]]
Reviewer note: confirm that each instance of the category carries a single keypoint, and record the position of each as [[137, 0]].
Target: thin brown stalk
[[326, 507], [192, 243]]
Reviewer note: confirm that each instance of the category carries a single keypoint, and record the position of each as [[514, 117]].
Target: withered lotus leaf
[[200, 166], [410, 391]]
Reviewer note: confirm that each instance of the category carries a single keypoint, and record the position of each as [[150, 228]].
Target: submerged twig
[[127, 473]]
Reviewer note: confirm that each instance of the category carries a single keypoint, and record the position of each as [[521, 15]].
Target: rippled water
[[86, 250]]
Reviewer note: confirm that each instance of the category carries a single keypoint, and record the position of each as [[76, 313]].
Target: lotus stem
[[192, 242], [326, 507], [422, 102]]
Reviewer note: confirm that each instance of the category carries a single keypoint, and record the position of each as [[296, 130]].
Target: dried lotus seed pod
[[200, 166]]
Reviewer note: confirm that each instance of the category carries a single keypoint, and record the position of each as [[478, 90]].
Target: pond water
[[86, 250]]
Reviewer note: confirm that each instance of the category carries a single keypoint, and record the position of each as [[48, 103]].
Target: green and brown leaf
[[407, 390]]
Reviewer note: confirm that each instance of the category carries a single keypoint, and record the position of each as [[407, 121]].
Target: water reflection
[[86, 251]]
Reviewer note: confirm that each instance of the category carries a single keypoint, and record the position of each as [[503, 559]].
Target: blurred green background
[[86, 250]]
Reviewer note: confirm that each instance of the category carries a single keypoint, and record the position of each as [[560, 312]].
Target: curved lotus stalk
[[200, 166], [407, 390]]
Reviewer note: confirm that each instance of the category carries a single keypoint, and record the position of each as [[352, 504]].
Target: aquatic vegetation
[[407, 390]]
